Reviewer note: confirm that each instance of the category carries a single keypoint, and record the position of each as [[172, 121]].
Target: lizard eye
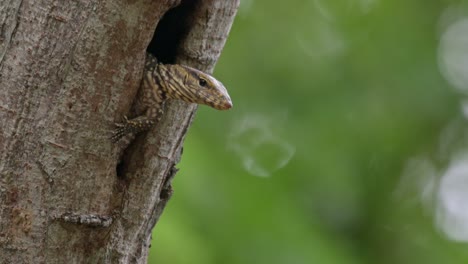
[[202, 82]]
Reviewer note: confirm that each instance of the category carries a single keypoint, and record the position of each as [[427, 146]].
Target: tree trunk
[[68, 71]]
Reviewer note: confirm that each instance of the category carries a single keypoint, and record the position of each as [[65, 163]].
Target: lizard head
[[194, 86]]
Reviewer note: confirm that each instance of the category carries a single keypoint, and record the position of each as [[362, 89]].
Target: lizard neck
[[160, 76], [171, 82], [153, 86]]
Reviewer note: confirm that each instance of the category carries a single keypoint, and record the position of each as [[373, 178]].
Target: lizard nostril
[[227, 105]]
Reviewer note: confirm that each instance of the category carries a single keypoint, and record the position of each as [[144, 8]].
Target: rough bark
[[68, 71]]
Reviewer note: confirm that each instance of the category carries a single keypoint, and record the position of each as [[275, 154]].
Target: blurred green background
[[344, 124]]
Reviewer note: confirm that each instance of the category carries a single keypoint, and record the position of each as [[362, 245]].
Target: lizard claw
[[121, 131], [129, 128], [123, 124]]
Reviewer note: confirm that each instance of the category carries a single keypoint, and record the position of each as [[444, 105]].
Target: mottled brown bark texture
[[68, 71]]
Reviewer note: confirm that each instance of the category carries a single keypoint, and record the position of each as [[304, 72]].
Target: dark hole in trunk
[[172, 29]]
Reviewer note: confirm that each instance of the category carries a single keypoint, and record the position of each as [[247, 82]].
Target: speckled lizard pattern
[[165, 81]]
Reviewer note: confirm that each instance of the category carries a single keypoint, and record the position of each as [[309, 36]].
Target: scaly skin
[[162, 82]]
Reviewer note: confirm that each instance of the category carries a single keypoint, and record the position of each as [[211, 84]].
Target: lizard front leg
[[128, 129], [150, 100]]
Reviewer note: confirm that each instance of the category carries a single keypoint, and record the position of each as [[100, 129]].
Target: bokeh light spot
[[453, 54], [261, 150], [452, 210]]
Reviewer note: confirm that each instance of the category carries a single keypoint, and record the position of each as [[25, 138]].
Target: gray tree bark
[[68, 71]]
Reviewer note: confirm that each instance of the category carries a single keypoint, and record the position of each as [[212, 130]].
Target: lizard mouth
[[225, 105]]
